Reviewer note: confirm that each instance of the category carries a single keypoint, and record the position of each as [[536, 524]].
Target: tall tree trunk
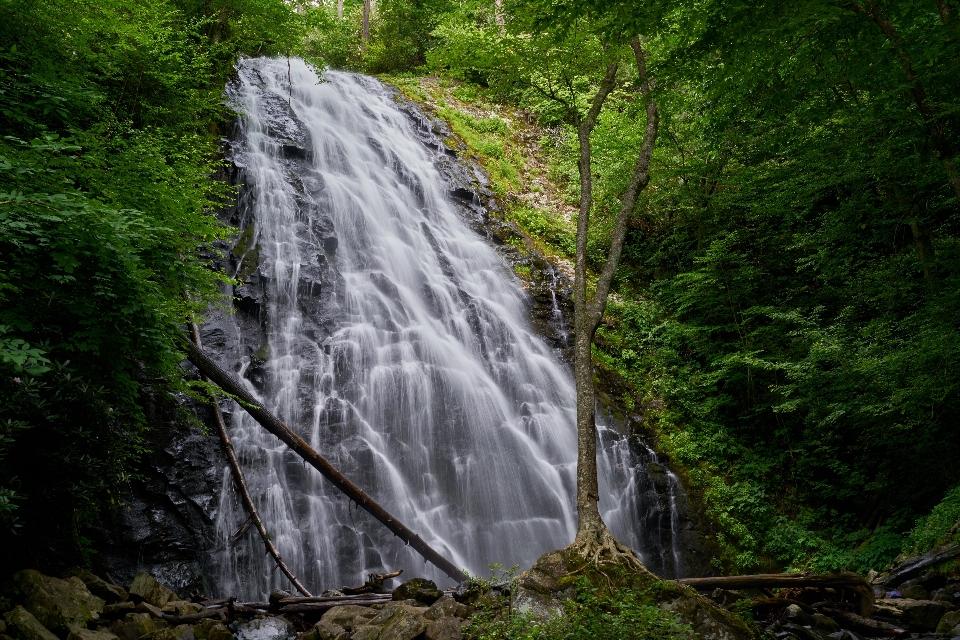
[[498, 15], [340, 9], [588, 312], [365, 27]]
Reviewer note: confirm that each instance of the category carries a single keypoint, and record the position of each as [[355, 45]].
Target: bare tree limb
[[272, 424]]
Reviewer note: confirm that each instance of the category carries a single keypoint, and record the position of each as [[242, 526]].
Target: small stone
[[148, 589], [26, 625], [445, 629], [57, 603]]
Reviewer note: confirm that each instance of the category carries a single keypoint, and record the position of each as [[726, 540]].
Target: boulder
[[79, 633], [211, 630], [25, 626], [914, 592], [404, 624], [348, 616], [180, 632], [804, 633], [824, 623], [949, 623], [118, 610], [181, 608], [447, 607], [146, 588], [270, 628], [366, 632], [418, 589], [922, 615], [445, 629], [796, 615], [109, 593], [553, 576], [323, 630], [135, 625], [58, 604]]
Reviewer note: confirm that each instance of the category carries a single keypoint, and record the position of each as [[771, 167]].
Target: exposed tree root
[[599, 548]]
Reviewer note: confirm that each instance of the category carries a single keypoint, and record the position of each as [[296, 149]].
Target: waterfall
[[398, 343]]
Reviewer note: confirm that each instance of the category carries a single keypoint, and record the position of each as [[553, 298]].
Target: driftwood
[[242, 482], [299, 446], [374, 584], [845, 580]]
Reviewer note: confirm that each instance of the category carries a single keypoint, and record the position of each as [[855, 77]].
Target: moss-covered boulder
[[58, 604], [419, 589], [555, 576], [146, 588], [23, 625], [109, 593], [211, 630], [79, 633]]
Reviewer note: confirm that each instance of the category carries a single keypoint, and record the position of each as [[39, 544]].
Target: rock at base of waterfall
[[323, 630], [418, 589], [79, 633], [444, 629], [109, 593], [552, 577], [26, 626], [57, 604], [348, 616], [146, 588], [447, 607], [213, 630], [271, 628]]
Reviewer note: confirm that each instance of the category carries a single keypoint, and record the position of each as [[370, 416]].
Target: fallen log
[[299, 446], [339, 599], [242, 481], [845, 580], [916, 566], [320, 607]]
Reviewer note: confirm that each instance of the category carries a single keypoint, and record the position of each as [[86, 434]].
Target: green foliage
[[594, 614], [937, 527], [109, 145]]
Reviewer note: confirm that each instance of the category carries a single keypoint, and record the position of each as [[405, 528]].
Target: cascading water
[[395, 341]]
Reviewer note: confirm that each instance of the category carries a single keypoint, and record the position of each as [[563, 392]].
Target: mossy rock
[[58, 604], [418, 589], [542, 590], [25, 626]]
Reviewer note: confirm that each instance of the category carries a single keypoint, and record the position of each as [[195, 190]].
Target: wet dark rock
[[418, 589]]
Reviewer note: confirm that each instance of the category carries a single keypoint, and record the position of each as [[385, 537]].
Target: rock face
[[540, 592], [58, 604]]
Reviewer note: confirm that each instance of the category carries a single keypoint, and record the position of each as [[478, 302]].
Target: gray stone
[[270, 628], [25, 626], [445, 629], [418, 589], [110, 593], [149, 590], [58, 604], [914, 592], [797, 615], [327, 630], [181, 608]]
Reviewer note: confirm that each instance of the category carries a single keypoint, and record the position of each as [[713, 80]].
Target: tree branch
[[638, 181]]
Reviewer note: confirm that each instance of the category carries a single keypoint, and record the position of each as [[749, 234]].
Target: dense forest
[[785, 313]]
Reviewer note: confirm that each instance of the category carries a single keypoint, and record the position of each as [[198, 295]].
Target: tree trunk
[[270, 422], [589, 312], [340, 9], [498, 16], [365, 26]]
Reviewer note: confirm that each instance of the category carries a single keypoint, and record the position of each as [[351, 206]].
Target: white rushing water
[[416, 373]]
